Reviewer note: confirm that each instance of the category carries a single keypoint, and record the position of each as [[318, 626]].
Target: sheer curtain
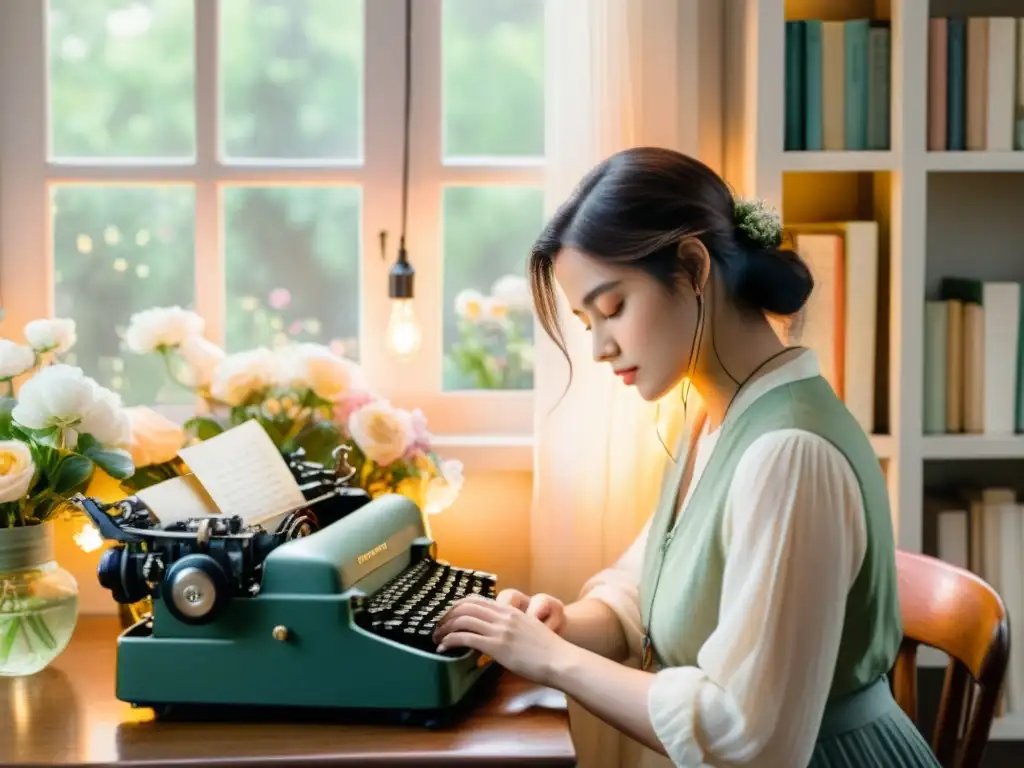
[[621, 73]]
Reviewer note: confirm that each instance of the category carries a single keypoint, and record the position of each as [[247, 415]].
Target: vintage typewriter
[[340, 618]]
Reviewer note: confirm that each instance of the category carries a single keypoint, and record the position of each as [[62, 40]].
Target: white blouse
[[795, 538]]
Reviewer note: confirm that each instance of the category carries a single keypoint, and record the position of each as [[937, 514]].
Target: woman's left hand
[[520, 643]]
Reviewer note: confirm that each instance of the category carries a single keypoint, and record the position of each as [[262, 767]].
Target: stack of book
[[982, 530], [972, 359], [975, 95], [839, 321], [837, 85]]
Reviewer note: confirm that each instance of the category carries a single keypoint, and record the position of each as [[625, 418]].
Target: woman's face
[[640, 329]]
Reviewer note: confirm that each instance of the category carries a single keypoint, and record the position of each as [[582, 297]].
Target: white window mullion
[[26, 265], [382, 198], [210, 279]]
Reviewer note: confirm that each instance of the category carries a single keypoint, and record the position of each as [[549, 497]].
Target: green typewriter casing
[[298, 642]]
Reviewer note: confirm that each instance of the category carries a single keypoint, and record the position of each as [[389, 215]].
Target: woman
[[760, 601]]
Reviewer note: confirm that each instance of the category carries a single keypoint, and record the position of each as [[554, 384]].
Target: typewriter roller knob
[[195, 589]]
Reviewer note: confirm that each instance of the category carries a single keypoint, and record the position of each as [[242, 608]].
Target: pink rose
[[421, 437], [348, 402], [279, 298]]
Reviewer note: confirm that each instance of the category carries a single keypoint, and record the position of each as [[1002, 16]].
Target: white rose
[[15, 359], [159, 327], [155, 439], [242, 374], [444, 490], [318, 368], [106, 419], [514, 290], [202, 357], [381, 431], [53, 334], [57, 396], [16, 470]]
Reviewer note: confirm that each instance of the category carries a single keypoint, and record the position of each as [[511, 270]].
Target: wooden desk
[[67, 714]]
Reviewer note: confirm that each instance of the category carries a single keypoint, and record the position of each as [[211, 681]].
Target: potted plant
[[55, 432]]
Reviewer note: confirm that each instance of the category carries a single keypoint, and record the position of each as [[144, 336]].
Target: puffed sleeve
[[618, 587], [795, 538]]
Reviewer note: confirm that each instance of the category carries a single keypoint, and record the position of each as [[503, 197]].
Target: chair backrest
[[955, 611]]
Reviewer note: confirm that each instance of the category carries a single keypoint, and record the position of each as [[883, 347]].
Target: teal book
[[794, 134], [855, 85], [879, 85], [966, 289], [814, 131], [956, 84]]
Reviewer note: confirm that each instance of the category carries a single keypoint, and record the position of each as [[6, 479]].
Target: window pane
[[119, 250], [121, 76], [493, 78], [292, 79], [293, 258], [488, 324]]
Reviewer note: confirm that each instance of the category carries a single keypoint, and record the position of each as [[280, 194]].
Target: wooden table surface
[[68, 714]]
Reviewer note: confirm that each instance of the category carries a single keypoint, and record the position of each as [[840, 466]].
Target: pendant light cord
[[405, 148]]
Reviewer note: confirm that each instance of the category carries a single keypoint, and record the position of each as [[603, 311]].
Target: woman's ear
[[697, 261]]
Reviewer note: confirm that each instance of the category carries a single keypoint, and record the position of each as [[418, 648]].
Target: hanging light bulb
[[403, 334]]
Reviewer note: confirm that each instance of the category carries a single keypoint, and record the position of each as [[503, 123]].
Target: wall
[[488, 529]]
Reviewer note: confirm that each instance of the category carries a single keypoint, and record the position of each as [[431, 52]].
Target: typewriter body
[[339, 617]]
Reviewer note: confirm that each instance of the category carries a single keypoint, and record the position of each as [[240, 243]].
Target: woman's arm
[[795, 537]]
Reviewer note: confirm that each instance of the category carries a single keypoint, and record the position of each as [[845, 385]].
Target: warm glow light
[[403, 330], [88, 538]]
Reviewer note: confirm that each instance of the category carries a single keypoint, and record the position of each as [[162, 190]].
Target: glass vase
[[38, 601]]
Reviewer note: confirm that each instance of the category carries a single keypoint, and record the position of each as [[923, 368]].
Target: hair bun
[[776, 281]]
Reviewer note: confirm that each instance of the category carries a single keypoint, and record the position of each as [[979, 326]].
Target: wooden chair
[[953, 610]]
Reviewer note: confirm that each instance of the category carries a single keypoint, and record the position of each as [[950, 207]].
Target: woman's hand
[[547, 609], [519, 642]]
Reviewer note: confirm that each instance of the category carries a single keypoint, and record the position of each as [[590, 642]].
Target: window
[[242, 157]]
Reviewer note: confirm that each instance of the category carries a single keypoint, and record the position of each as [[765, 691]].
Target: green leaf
[[74, 471], [115, 462], [319, 439], [7, 404], [203, 427]]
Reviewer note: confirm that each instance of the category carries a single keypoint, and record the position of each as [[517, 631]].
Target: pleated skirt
[[867, 729]]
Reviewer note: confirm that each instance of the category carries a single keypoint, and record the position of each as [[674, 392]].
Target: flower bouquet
[[305, 396], [55, 433], [494, 349]]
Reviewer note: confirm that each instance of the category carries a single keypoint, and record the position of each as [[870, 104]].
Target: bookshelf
[[940, 213]]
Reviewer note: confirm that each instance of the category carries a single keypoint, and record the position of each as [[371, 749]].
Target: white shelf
[[973, 447], [838, 161], [1009, 728], [1007, 162]]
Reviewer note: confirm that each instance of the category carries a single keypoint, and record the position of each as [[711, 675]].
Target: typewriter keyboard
[[407, 608]]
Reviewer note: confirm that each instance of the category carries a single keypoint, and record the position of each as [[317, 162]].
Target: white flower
[[442, 491], [202, 357], [62, 396], [106, 420], [315, 366], [15, 359], [242, 374], [469, 304], [158, 327], [16, 470], [514, 290], [381, 431], [759, 221], [53, 334], [155, 439], [494, 311]]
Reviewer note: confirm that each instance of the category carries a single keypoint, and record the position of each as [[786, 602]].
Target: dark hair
[[637, 206]]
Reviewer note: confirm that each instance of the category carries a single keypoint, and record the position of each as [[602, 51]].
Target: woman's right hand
[[545, 608]]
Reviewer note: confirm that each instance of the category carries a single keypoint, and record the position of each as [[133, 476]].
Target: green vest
[[685, 604]]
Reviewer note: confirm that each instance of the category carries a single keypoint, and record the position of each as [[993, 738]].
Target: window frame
[[470, 417]]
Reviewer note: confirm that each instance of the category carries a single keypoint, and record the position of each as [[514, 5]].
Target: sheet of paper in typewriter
[[244, 473]]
